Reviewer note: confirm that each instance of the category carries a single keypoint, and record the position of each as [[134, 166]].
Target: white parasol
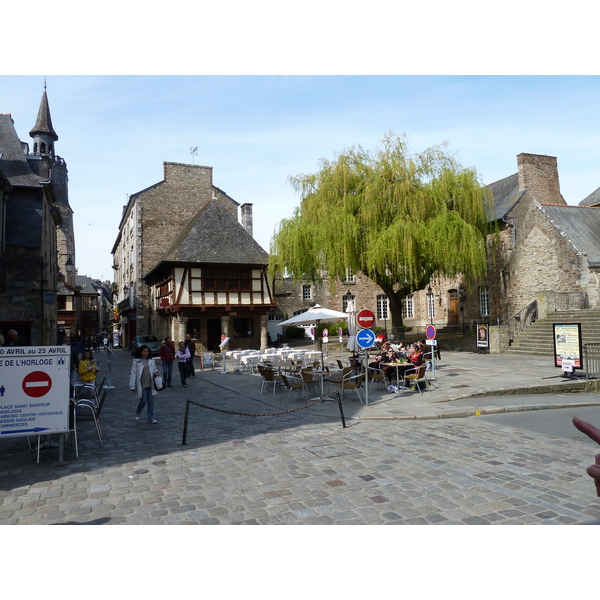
[[314, 316], [351, 315]]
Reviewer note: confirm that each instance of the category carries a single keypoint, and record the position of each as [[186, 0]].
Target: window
[[227, 279], [242, 328], [484, 301], [306, 292], [89, 302], [382, 307], [350, 277], [430, 307], [408, 307], [345, 299]]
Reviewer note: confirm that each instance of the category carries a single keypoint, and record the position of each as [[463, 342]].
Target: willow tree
[[400, 218]]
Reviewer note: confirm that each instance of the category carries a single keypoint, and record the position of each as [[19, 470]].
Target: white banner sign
[[34, 390]]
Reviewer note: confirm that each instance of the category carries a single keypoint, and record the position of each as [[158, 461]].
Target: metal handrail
[[521, 320], [591, 353]]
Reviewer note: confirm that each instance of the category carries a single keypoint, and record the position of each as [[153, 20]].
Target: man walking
[[191, 346], [167, 356]]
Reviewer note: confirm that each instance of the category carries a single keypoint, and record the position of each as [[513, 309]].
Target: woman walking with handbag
[[141, 380], [183, 355]]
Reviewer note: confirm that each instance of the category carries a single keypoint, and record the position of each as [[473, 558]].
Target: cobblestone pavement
[[400, 460]]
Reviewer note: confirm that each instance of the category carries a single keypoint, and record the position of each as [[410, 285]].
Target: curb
[[475, 413]]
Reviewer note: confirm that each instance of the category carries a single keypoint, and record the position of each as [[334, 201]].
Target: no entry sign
[[37, 384], [365, 318]]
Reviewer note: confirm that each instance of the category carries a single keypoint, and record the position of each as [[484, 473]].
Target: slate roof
[[214, 236], [43, 123], [13, 162], [580, 225], [506, 194], [592, 200]]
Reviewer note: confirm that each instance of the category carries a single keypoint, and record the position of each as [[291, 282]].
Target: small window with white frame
[[408, 307], [345, 299], [306, 291], [383, 305], [484, 301], [350, 277]]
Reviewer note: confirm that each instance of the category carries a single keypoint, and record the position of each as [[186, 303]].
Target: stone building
[[545, 245], [171, 236], [212, 282], [37, 230]]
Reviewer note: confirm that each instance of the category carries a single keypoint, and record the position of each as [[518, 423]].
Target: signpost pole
[[365, 338], [366, 377], [430, 332]]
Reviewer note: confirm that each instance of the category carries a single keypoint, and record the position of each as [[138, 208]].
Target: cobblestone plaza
[[388, 466]]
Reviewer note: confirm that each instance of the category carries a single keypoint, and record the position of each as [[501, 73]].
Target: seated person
[[376, 364], [414, 359], [389, 371]]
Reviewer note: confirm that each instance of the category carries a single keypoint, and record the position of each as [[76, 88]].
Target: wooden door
[[453, 308]]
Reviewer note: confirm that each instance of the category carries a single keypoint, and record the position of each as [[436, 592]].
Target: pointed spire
[[43, 125]]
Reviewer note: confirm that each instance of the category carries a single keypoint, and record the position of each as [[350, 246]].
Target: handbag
[[159, 385]]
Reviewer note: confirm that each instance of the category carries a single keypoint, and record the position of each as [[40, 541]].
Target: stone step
[[537, 339]]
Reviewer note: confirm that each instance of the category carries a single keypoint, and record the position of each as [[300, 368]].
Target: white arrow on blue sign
[[365, 338]]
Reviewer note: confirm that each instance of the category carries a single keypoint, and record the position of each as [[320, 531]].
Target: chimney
[[538, 178], [246, 210]]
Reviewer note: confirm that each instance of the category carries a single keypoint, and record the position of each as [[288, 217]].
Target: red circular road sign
[[365, 318], [430, 332], [37, 384]]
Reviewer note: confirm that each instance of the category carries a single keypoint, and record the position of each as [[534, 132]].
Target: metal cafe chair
[[292, 383], [417, 377], [270, 378]]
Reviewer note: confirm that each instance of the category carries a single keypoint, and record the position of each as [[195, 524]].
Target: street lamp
[[430, 303], [69, 265]]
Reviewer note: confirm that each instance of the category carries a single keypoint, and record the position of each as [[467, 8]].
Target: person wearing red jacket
[[167, 356]]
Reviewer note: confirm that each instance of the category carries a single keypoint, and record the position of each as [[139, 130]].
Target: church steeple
[[43, 133]]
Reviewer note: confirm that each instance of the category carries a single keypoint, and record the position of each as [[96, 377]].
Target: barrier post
[[185, 422], [339, 399]]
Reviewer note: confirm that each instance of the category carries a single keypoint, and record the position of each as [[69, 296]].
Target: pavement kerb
[[474, 413], [574, 388]]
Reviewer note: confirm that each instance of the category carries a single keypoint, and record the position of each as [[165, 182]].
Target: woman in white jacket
[[141, 380]]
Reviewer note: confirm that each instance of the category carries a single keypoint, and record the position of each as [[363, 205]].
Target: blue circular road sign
[[365, 338]]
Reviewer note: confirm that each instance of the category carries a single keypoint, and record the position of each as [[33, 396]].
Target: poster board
[[207, 360], [568, 347], [483, 335], [34, 390]]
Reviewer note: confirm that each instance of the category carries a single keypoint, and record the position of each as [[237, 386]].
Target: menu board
[[207, 360], [567, 345]]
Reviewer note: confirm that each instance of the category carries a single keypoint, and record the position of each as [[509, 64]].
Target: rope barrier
[[274, 414]]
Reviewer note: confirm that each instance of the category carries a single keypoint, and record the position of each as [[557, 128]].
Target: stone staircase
[[537, 339]]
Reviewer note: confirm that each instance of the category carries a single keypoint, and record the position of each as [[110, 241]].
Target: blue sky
[[255, 131], [261, 103]]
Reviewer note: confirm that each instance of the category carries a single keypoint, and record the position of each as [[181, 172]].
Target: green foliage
[[399, 218]]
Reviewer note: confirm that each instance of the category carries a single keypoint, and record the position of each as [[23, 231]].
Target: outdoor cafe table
[[321, 376], [250, 360], [284, 366], [397, 365]]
